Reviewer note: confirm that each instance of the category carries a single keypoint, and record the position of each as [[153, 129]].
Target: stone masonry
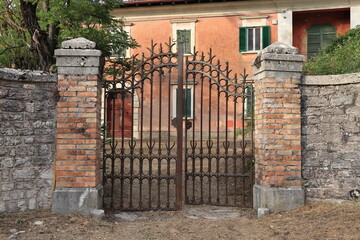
[[331, 135], [27, 136]]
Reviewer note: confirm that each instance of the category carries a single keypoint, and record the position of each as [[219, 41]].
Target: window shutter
[[328, 34], [187, 102], [319, 36], [242, 39], [265, 36], [187, 36]]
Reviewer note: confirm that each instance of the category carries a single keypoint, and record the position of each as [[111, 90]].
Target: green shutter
[[265, 36], [319, 36], [185, 36], [328, 34], [242, 39], [187, 102]]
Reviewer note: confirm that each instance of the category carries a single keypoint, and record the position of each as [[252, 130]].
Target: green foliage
[[341, 56], [59, 20]]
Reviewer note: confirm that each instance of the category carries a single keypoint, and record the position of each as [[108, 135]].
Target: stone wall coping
[[331, 80], [11, 74], [78, 52]]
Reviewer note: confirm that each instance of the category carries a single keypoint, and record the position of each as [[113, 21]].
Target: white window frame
[[254, 39], [251, 22], [183, 24], [174, 89]]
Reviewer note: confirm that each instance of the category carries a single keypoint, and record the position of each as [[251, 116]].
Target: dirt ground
[[314, 221]]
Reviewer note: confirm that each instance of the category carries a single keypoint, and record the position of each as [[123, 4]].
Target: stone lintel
[[278, 198], [77, 200]]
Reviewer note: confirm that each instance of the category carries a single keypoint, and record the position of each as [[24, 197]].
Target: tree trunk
[[39, 37]]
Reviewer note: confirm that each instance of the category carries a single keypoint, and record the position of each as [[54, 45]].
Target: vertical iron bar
[[168, 142], [141, 157], [201, 135], [243, 146], [226, 139], [179, 114], [252, 138], [150, 146], [113, 108], [218, 145], [186, 159], [160, 122], [235, 142]]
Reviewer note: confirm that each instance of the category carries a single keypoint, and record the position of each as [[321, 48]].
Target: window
[[188, 103], [184, 29], [254, 38], [120, 51], [319, 36], [184, 36]]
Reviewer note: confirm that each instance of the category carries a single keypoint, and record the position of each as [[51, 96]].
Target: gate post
[[77, 181], [277, 72]]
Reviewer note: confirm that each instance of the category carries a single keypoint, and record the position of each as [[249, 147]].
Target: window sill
[[119, 57], [250, 52]]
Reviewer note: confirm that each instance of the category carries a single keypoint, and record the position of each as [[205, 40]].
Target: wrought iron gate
[[175, 126]]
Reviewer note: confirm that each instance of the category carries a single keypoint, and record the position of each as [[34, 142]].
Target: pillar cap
[[278, 52], [78, 43], [280, 48]]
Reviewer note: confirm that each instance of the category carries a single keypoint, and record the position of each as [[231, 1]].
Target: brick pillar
[[277, 72], [78, 187]]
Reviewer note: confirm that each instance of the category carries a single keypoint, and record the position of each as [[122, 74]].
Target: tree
[[341, 56], [31, 30]]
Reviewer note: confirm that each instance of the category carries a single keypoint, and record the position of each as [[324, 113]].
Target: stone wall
[[331, 135], [27, 136]]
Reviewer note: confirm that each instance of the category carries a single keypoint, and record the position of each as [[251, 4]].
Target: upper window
[[319, 36], [184, 30], [185, 37], [121, 51], [254, 38]]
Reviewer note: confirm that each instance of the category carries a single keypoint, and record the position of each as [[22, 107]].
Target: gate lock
[[188, 124]]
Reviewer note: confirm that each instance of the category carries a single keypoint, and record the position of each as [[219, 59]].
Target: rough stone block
[[277, 198], [97, 213], [2, 206], [262, 212], [77, 200]]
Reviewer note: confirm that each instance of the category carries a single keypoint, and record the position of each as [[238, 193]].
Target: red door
[[119, 114]]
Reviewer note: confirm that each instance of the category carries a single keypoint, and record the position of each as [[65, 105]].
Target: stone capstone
[[78, 43]]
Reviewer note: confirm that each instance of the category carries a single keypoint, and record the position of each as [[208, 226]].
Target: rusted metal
[[175, 130], [139, 163], [214, 174], [179, 126]]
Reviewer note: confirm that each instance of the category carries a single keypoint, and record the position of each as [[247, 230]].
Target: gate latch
[[188, 124]]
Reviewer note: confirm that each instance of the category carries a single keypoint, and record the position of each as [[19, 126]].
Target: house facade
[[235, 31]]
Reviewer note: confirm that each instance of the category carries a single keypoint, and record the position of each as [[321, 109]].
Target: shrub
[[341, 56]]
